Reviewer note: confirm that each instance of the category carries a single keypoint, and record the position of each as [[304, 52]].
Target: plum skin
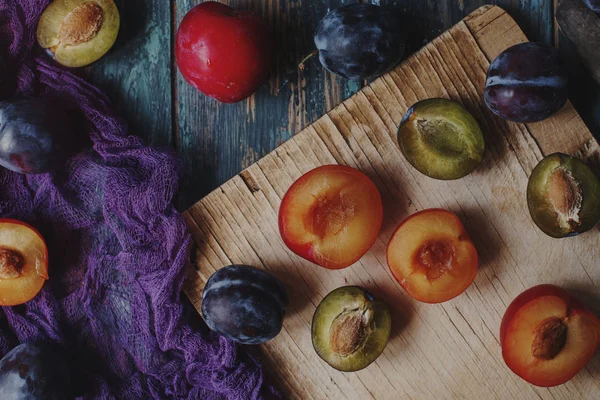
[[34, 135], [33, 371], [593, 5], [244, 304], [526, 83], [359, 41]]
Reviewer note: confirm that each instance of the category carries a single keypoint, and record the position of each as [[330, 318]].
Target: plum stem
[[302, 65]]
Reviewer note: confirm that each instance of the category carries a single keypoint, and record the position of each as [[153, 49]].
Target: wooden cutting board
[[449, 350]]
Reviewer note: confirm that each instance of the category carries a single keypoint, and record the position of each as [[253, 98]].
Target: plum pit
[[435, 258], [564, 193], [349, 331], [350, 328], [330, 216], [82, 24], [11, 263], [550, 338]]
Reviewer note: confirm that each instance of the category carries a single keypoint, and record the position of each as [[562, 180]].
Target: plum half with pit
[[35, 371], [36, 136], [350, 328], [360, 41], [548, 336], [526, 83], [23, 262], [244, 303], [563, 195], [441, 139], [78, 32]]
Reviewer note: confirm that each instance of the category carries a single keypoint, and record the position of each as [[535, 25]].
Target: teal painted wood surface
[[216, 140], [136, 73]]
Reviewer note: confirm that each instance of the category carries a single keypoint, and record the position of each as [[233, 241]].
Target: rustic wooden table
[[216, 141]]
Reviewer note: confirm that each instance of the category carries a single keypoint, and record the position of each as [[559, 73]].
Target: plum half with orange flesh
[[547, 336], [350, 328], [432, 256], [23, 262], [78, 32], [563, 196], [441, 139], [331, 216]]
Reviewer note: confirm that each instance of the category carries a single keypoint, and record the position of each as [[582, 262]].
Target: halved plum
[[23, 262], [78, 32], [563, 195], [441, 139], [547, 336], [432, 256], [350, 328], [331, 216]]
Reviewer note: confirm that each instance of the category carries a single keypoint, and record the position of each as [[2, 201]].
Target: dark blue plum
[[34, 372], [244, 303], [594, 5], [360, 41], [36, 136], [526, 83]]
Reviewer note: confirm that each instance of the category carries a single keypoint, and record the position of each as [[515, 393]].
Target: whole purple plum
[[594, 5], [526, 83], [359, 41], [244, 303], [35, 372], [36, 136]]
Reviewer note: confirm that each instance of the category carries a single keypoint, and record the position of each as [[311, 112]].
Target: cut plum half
[[548, 336], [563, 196], [331, 216], [432, 256], [23, 262], [441, 139], [350, 328], [78, 32]]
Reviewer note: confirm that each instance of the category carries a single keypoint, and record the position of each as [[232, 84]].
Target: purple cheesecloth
[[117, 249]]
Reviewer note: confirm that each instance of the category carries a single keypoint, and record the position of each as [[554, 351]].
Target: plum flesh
[[34, 372], [441, 139], [359, 41], [34, 135], [526, 83]]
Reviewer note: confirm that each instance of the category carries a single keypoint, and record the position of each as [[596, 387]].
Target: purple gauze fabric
[[117, 252]]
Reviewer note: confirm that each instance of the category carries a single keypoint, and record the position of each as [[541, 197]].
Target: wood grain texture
[[445, 351], [584, 90], [135, 73]]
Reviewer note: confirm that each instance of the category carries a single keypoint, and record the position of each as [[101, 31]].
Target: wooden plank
[[426, 19], [135, 73], [449, 350], [215, 140], [584, 90]]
